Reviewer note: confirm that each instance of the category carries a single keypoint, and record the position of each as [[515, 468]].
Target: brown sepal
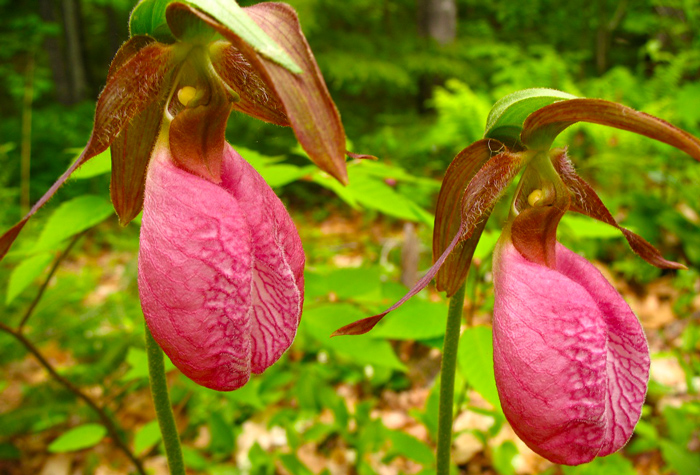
[[127, 51], [483, 191], [586, 201], [305, 98], [540, 127], [257, 99], [448, 214], [131, 90], [131, 152]]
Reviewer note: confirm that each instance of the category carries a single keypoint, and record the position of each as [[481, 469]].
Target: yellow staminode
[[535, 198], [186, 94]]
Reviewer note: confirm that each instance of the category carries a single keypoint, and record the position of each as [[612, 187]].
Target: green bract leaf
[[505, 121], [148, 18], [72, 217], [82, 437]]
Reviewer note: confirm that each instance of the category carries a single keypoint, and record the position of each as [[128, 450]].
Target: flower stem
[[161, 401], [447, 381]]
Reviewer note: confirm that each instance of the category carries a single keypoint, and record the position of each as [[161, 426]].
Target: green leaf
[[410, 447], [357, 284], [72, 217], [78, 438], [680, 460], [503, 456], [146, 437], [614, 464], [9, 452], [222, 440], [148, 18], [193, 459], [475, 359], [293, 465], [137, 359], [321, 321], [415, 320], [586, 228], [505, 121], [25, 273], [98, 165]]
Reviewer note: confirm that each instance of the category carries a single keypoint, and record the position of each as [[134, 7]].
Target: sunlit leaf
[[416, 320], [410, 447], [322, 320], [99, 165], [146, 437], [72, 217], [26, 273], [475, 359], [78, 438]]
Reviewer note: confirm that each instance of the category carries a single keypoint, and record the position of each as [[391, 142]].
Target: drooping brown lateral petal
[[542, 126], [482, 193], [586, 201], [131, 153], [257, 99], [307, 103], [198, 135], [127, 51], [135, 86], [448, 214]]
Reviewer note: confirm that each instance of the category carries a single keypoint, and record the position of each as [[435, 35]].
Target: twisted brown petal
[[448, 214], [305, 98], [135, 85], [482, 193], [586, 201], [542, 126]]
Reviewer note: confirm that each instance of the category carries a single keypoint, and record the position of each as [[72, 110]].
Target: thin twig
[[106, 420], [55, 266]]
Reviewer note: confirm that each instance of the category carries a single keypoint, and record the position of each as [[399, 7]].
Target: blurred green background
[[413, 87]]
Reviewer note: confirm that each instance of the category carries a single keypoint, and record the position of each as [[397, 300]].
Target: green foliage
[[414, 104], [78, 438]]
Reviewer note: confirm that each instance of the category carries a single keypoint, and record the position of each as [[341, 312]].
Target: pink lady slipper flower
[[221, 263], [571, 360]]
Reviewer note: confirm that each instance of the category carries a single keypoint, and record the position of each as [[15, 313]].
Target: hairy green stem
[[161, 401], [447, 381]]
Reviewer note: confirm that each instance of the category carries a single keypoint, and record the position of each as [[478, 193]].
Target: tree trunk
[[57, 59], [76, 64], [437, 19]]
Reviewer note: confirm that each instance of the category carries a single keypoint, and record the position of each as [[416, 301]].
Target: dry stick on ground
[[17, 334]]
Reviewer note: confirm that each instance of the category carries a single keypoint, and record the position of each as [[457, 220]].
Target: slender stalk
[[161, 401], [45, 284], [447, 381], [106, 420]]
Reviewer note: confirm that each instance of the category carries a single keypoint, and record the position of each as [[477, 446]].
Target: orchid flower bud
[[571, 360], [220, 270]]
